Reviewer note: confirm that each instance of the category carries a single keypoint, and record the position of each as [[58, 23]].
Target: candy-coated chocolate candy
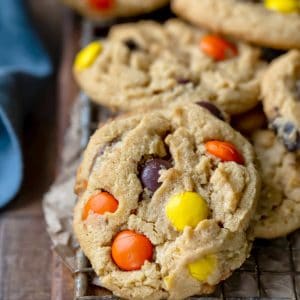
[[130, 250], [212, 109], [186, 209], [86, 57], [100, 203], [217, 48], [101, 5], [224, 150], [150, 173], [203, 267], [283, 6]]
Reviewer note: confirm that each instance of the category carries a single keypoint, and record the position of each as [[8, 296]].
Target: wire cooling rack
[[271, 272]]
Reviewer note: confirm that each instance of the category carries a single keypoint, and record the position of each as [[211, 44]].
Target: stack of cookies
[[205, 153]]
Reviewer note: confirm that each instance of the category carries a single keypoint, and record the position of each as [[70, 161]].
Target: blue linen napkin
[[24, 65]]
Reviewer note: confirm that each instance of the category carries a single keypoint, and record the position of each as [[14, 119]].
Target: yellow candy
[[203, 268], [87, 56], [186, 209], [284, 6]]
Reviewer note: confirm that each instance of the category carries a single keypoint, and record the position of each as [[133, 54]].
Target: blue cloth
[[23, 67]]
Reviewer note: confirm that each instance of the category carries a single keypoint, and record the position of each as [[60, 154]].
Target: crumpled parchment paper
[[59, 202]]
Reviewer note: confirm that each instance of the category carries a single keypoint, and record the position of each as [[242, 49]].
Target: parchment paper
[[58, 203]]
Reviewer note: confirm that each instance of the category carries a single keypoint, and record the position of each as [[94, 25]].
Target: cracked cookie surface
[[108, 9], [147, 64], [278, 210], [248, 20], [281, 98], [176, 138]]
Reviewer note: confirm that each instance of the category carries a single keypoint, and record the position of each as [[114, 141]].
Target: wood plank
[[62, 280], [24, 261]]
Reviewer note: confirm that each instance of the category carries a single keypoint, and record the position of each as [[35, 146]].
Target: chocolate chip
[[131, 45], [182, 80], [212, 109], [150, 173], [268, 54]]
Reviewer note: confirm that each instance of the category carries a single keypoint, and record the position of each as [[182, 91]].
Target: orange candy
[[100, 203], [217, 48], [224, 150], [130, 250], [101, 4]]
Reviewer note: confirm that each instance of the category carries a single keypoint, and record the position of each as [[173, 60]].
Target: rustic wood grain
[[25, 258], [62, 280]]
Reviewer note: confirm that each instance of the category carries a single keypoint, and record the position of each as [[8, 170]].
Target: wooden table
[[28, 268]]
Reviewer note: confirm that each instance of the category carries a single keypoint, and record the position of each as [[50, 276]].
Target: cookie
[[146, 64], [266, 23], [279, 207], [175, 188], [99, 10], [281, 98]]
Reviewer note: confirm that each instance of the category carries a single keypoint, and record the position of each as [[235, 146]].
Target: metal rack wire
[[271, 272]]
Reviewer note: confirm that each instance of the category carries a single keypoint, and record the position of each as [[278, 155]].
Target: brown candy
[[150, 173]]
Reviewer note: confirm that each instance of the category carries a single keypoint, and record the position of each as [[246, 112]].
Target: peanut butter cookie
[[165, 199]]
